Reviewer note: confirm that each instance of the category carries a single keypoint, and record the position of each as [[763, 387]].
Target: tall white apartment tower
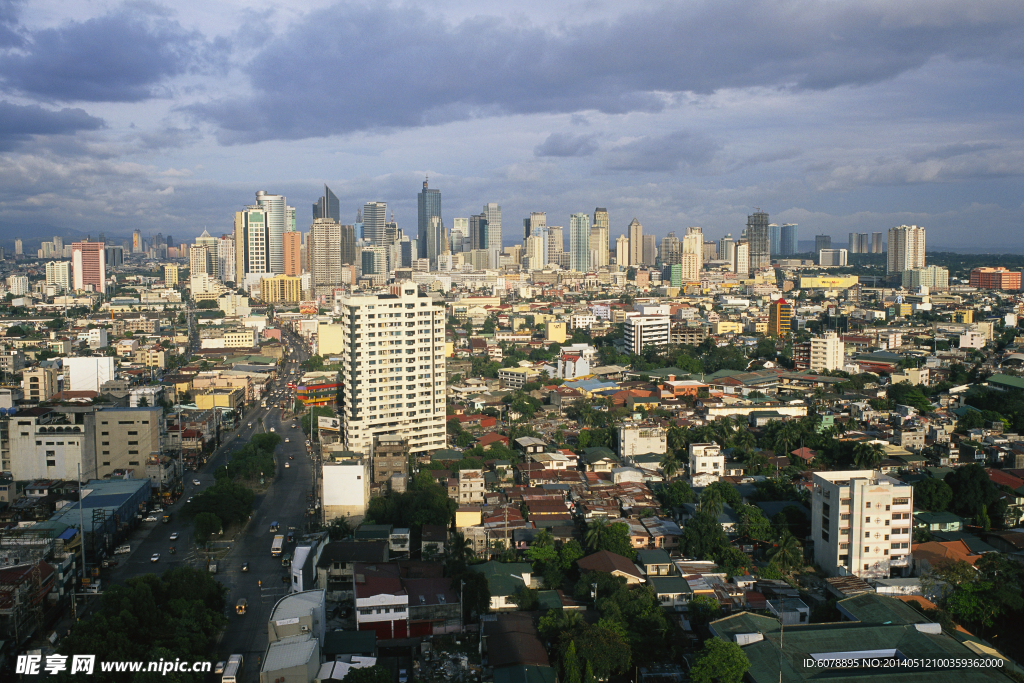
[[579, 242], [861, 523], [374, 216], [493, 213], [905, 250], [636, 243], [280, 218], [393, 370], [323, 245]]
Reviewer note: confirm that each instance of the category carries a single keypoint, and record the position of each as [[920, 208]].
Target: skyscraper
[[327, 206], [650, 250], [348, 245], [774, 235], [741, 258], [671, 250], [209, 243], [788, 239], [136, 242], [291, 244], [692, 242], [599, 238], [636, 243], [251, 245], [323, 248], [374, 216], [579, 242], [757, 240], [876, 243], [822, 242], [280, 218], [556, 243], [89, 266], [905, 250], [493, 213], [478, 232], [727, 249], [459, 234], [622, 251], [779, 314], [537, 221], [428, 203], [199, 261]]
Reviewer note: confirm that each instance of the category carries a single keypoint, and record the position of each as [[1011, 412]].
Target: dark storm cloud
[[118, 57], [9, 36], [566, 145], [384, 67], [663, 153], [19, 123]]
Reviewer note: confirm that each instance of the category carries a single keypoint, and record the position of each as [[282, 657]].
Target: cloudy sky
[[838, 115]]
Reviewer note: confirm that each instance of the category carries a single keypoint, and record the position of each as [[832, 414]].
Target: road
[[285, 502]]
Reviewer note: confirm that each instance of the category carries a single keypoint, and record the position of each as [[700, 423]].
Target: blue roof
[[591, 385], [68, 534]]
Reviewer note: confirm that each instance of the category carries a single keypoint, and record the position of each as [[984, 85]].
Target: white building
[[17, 285], [905, 249], [861, 523], [97, 338], [58, 273], [346, 489], [972, 340], [707, 464], [832, 257], [585, 351], [88, 373], [646, 330], [641, 440], [582, 321], [393, 370], [827, 353], [571, 366]]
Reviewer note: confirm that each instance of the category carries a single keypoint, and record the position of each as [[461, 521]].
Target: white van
[[123, 549]]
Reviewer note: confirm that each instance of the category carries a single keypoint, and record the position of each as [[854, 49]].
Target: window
[[844, 546], [133, 433], [51, 463], [845, 516], [104, 433], [867, 520], [866, 567], [106, 443], [868, 504], [867, 534]]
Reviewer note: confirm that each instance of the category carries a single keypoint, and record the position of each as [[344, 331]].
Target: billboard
[[309, 307], [828, 282], [329, 423]]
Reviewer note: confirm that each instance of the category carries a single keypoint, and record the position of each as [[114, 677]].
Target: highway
[[286, 501]]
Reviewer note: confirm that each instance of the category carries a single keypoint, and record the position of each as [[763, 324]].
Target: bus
[[275, 550], [233, 670]]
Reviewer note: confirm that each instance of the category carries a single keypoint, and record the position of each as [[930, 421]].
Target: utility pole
[[81, 515]]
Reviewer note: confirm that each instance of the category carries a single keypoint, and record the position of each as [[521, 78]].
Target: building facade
[[89, 265], [905, 250]]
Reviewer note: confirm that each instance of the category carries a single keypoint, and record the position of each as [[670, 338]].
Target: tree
[[720, 661], [703, 537], [605, 650], [570, 665], [788, 553], [669, 465], [339, 529], [611, 537], [704, 608], [867, 456], [753, 523], [568, 554], [526, 598], [972, 489], [368, 674], [933, 495], [206, 524]]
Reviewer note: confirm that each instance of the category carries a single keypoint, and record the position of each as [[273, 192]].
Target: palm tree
[[669, 465], [788, 553], [867, 456], [744, 439], [597, 531], [459, 550], [724, 427], [785, 439], [711, 501], [677, 439]]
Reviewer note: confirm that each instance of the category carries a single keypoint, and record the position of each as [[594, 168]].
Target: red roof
[[1001, 478], [804, 453]]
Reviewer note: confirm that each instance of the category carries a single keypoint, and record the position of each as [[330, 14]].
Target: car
[[287, 440], [109, 563], [174, 536], [149, 519], [403, 676], [196, 482], [250, 425], [245, 566], [219, 668], [291, 457], [189, 499], [286, 465], [271, 429], [155, 558]]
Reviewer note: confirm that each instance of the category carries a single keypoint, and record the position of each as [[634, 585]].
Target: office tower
[[780, 312], [374, 216], [534, 251], [622, 251], [853, 244], [861, 522], [537, 221], [693, 240], [788, 239], [741, 258], [556, 245], [114, 256], [280, 219], [199, 261], [822, 242], [428, 203], [650, 255], [710, 252], [327, 206], [209, 243], [459, 234], [58, 273], [757, 240], [905, 250], [408, 252], [493, 213], [348, 245], [987, 277], [170, 240], [599, 237], [251, 248], [292, 251], [579, 242], [399, 392], [876, 243], [478, 232], [636, 243], [225, 257], [832, 257], [323, 248], [18, 247], [671, 250], [89, 266], [690, 267], [374, 260], [171, 275], [727, 249], [136, 242], [774, 236], [935, 277]]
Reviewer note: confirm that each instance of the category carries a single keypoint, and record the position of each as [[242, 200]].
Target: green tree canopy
[[933, 495], [368, 674], [720, 662]]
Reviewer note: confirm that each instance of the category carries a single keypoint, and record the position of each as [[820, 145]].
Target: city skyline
[[876, 119]]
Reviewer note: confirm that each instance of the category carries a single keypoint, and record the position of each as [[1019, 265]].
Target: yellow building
[[449, 349], [828, 282], [964, 315], [171, 276], [555, 331], [208, 399], [779, 314], [330, 339], [467, 516], [281, 289], [727, 327]]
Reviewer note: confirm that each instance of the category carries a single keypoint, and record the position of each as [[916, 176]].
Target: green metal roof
[[503, 577], [663, 585], [647, 556], [871, 608], [1008, 381]]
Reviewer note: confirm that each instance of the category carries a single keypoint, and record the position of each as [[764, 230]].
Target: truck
[[278, 546], [166, 518], [233, 670]]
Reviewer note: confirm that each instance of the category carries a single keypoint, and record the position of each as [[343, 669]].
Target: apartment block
[[861, 523], [471, 487], [642, 331], [39, 383], [707, 464]]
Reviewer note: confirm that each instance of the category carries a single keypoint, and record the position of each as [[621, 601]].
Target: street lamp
[[594, 586]]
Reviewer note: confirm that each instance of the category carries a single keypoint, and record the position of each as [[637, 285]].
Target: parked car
[[123, 549]]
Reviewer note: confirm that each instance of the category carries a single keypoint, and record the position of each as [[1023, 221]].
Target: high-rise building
[[200, 261], [780, 312], [727, 249], [374, 261], [757, 239], [136, 242], [995, 278], [579, 242], [400, 391], [788, 239], [622, 251], [691, 267], [671, 250], [862, 523], [328, 206], [832, 257], [693, 241], [650, 254], [709, 252], [292, 249], [89, 266], [280, 219], [225, 257], [774, 237], [459, 235], [348, 245], [251, 248], [428, 203], [59, 273], [599, 238], [478, 232], [932, 277], [115, 255], [534, 251], [636, 243], [876, 243], [741, 258], [537, 221], [171, 275], [281, 289], [323, 248], [19, 247], [905, 250], [556, 244], [822, 242], [493, 213], [375, 214]]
